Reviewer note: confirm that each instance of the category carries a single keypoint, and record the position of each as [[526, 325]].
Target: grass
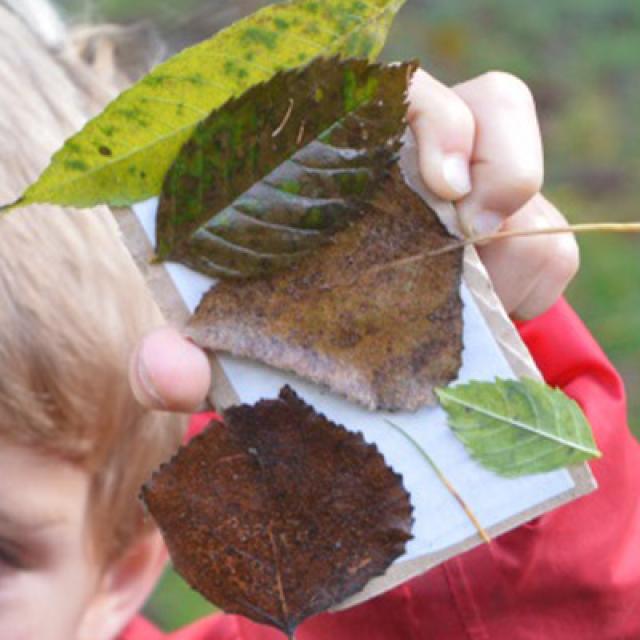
[[174, 604]]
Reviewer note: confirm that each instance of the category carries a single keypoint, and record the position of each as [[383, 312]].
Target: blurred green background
[[582, 60]]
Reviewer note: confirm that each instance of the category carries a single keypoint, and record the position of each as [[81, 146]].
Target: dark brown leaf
[[382, 337], [279, 514]]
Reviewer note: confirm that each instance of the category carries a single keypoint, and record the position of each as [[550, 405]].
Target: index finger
[[444, 129], [507, 166]]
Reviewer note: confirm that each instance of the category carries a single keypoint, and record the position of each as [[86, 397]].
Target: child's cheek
[[16, 615], [34, 607]]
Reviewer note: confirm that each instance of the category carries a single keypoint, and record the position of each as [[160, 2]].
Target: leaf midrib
[[519, 424]]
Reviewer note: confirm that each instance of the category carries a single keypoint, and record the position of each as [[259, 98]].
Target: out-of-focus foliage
[[580, 58], [175, 604]]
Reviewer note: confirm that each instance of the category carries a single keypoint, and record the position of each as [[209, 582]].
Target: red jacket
[[573, 574]]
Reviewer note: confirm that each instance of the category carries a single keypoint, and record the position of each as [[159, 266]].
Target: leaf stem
[[612, 227], [445, 481]]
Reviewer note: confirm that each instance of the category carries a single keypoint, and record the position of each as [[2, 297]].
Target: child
[[77, 561]]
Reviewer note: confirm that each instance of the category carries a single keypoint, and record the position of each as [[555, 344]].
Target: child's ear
[[124, 588]]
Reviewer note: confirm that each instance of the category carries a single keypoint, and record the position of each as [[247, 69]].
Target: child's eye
[[9, 559]]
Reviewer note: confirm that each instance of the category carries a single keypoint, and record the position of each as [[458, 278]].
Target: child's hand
[[479, 144]]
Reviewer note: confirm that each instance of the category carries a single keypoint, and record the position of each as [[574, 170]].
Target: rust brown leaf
[[279, 514], [383, 337]]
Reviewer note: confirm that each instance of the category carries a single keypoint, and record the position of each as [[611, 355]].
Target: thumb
[[167, 372]]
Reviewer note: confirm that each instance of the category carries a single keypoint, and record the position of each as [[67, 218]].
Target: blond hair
[[72, 304]]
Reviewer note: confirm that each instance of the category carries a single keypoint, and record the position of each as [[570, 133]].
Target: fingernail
[[141, 380], [455, 171], [487, 222]]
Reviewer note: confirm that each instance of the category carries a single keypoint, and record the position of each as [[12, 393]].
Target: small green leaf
[[272, 174], [122, 155], [518, 427]]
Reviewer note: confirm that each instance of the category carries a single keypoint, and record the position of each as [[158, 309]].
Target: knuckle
[[564, 260], [524, 179], [460, 118], [536, 252], [439, 104], [508, 90], [532, 252], [557, 257], [562, 252]]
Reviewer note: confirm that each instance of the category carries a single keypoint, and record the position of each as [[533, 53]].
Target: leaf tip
[[6, 208]]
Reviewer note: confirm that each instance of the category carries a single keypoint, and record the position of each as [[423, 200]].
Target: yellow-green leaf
[[122, 155], [518, 427]]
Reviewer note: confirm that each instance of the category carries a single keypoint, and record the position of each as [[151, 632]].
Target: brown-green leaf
[[269, 176], [383, 337], [122, 156], [279, 514]]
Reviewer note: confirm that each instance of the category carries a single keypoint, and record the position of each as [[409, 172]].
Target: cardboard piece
[[492, 348]]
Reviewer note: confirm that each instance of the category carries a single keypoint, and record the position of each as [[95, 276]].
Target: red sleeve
[[140, 629], [573, 574], [198, 423]]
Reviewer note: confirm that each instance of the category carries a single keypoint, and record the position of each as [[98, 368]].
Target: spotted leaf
[[122, 156]]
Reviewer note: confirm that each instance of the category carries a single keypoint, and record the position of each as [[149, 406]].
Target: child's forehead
[[39, 491]]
